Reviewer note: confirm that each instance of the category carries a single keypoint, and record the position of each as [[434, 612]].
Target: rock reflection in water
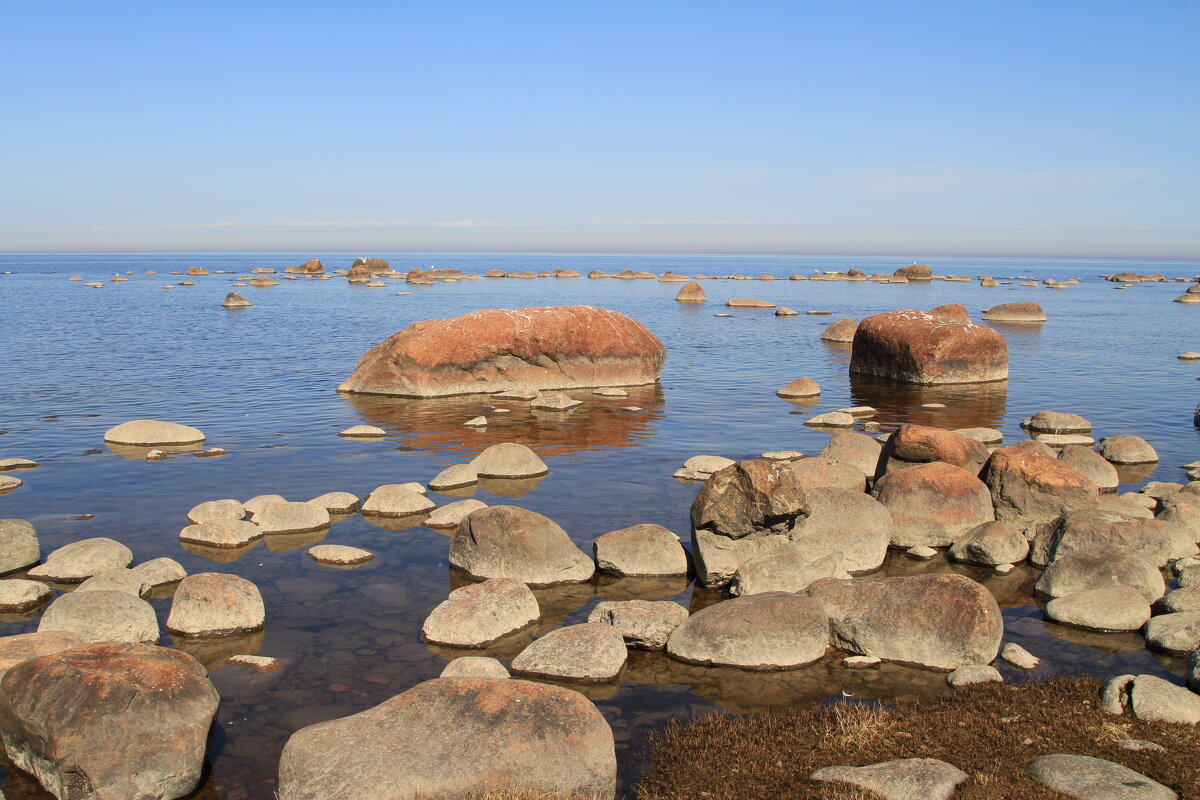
[[214, 651], [967, 405], [277, 542], [666, 587], [219, 555], [437, 425], [131, 452], [1135, 473]]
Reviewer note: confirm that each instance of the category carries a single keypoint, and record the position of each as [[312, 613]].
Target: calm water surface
[[260, 383]]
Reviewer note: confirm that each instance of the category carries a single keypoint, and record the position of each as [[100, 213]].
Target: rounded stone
[[224, 533], [103, 616], [19, 595], [479, 614], [454, 477], [933, 504], [19, 546], [643, 624], [991, 544], [216, 510], [339, 555], [640, 550], [1112, 608], [337, 502], [215, 604], [511, 542], [149, 432], [78, 561], [1015, 312], [116, 580], [1127, 450], [475, 667], [448, 516], [769, 631], [509, 460], [363, 432], [395, 500], [801, 387], [160, 572]]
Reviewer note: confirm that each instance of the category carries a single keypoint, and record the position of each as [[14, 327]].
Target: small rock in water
[[78, 561], [611, 392], [933, 405], [233, 300], [255, 505], [155, 455], [832, 419], [479, 614], [260, 664], [517, 394], [1190, 355], [103, 616], [216, 510], [858, 412], [150, 432], [160, 572], [449, 515], [1127, 450], [783, 455], [509, 460], [19, 595], [1018, 656], [861, 662], [215, 604], [555, 401], [698, 468], [983, 435], [19, 547], [922, 552], [16, 463], [1059, 440], [395, 500], [116, 580], [363, 432], [454, 477], [1115, 608], [221, 533], [589, 652], [816, 313], [476, 422], [285, 517], [644, 624], [722, 315], [784, 311], [339, 555], [974, 673], [871, 427], [211, 452], [1004, 569], [337, 502]]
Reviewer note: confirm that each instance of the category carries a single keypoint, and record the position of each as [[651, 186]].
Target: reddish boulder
[[691, 293], [916, 347], [933, 504], [359, 273], [456, 737], [313, 267], [919, 444], [562, 347], [915, 272], [1028, 484], [109, 720], [955, 312], [371, 266], [941, 620], [1090, 529]]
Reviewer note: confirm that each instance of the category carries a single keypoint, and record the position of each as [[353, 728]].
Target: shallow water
[[260, 383]]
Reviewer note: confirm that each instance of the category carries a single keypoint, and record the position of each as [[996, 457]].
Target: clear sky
[[1051, 127]]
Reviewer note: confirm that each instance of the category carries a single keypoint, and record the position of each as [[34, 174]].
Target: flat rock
[[337, 502], [1056, 422], [18, 595], [1113, 608], [454, 737], [982, 435], [215, 511], [511, 542], [225, 533], [554, 401], [395, 500], [448, 516], [590, 652], [901, 779], [640, 550], [215, 604], [1175, 633], [16, 463], [1101, 567], [1153, 699], [1015, 312], [103, 616], [509, 460], [363, 432], [643, 624], [745, 302], [150, 432], [454, 477], [78, 561], [769, 631], [478, 614], [339, 555], [286, 517], [1090, 778], [109, 720], [831, 419]]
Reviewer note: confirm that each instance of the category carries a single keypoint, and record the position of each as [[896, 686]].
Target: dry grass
[[770, 757]]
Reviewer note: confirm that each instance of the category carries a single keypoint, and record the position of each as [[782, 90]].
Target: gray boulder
[[640, 550], [769, 631], [933, 504], [968, 674], [717, 557], [1091, 465], [395, 500], [901, 779], [451, 737], [1089, 529], [160, 572], [215, 511], [644, 624], [1151, 698], [103, 616], [479, 614], [509, 460], [991, 544], [1113, 608], [18, 545], [1085, 570], [215, 604], [78, 561], [1176, 633], [1090, 778], [285, 517], [844, 521], [591, 652], [116, 580], [1127, 450], [1056, 422], [20, 595], [787, 570], [511, 542]]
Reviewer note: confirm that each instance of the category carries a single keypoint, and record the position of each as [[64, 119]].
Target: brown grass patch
[[722, 757]]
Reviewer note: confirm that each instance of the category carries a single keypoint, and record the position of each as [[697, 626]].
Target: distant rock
[[914, 272], [1015, 312], [363, 432], [149, 432], [831, 419], [801, 387], [691, 293], [233, 300], [533, 348], [313, 267], [554, 401], [509, 460], [749, 303]]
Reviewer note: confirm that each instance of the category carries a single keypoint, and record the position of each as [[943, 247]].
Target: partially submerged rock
[[150, 432], [215, 604], [479, 614], [640, 550], [769, 631], [916, 347], [510, 542], [78, 561], [590, 652], [644, 624], [103, 616]]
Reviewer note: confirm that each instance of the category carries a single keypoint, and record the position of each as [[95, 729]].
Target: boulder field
[[495, 350]]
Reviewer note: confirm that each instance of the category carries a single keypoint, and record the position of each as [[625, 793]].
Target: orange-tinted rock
[[941, 620], [955, 312], [918, 444], [371, 266], [561, 347], [825, 472], [840, 331], [456, 737], [915, 272], [916, 347], [109, 720], [359, 273], [748, 497], [1029, 484], [801, 387], [313, 267], [691, 293], [933, 504], [1015, 312]]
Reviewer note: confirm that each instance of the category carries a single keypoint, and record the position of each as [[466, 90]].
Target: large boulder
[[640, 550], [1088, 529], [769, 631], [103, 616], [215, 604], [18, 545], [592, 652], [850, 523], [109, 720], [511, 542], [480, 613], [1109, 608], [855, 450], [916, 347], [493, 350], [936, 620], [1098, 567], [454, 737], [1030, 485], [749, 497], [919, 444], [1127, 450], [933, 504], [150, 432], [78, 561]]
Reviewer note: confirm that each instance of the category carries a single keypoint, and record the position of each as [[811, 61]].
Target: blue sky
[[993, 128]]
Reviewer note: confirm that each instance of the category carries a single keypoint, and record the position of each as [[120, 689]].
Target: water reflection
[[437, 424], [215, 651], [135, 453], [967, 405]]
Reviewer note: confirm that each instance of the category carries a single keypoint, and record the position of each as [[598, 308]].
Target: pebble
[[968, 674], [339, 555], [933, 405], [1004, 569]]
